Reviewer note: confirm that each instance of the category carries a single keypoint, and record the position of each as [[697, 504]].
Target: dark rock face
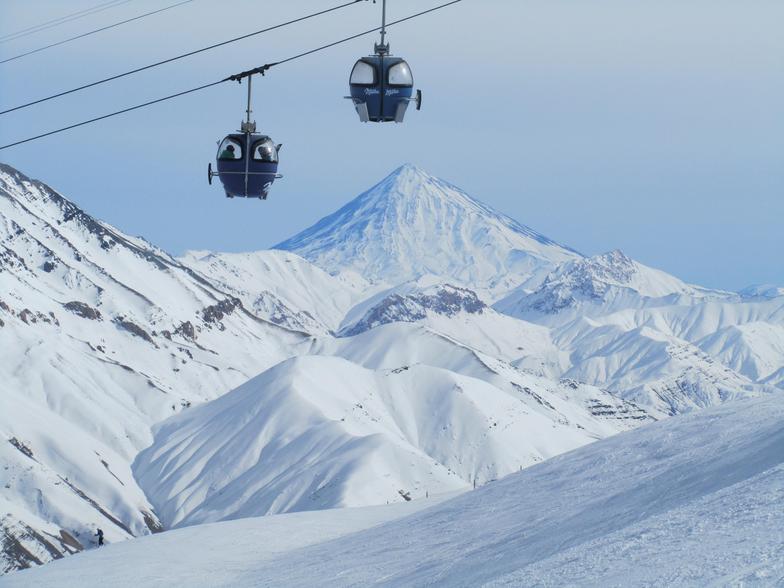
[[152, 522], [134, 329], [216, 312], [447, 300], [585, 279], [70, 541], [17, 556], [22, 447], [30, 317], [83, 310], [10, 260], [450, 300], [187, 330], [620, 410]]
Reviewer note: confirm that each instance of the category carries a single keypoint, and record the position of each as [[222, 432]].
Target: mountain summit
[[412, 224]]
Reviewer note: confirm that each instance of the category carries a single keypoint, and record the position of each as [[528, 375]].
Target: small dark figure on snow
[[99, 534]]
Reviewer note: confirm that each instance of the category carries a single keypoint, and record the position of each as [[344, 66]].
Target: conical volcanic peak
[[412, 223]]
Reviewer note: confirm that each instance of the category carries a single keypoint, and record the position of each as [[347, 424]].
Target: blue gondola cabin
[[247, 165], [381, 88]]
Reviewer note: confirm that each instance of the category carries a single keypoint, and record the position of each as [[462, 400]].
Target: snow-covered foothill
[[322, 432]]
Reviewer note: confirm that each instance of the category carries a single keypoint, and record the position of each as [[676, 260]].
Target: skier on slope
[[99, 534]]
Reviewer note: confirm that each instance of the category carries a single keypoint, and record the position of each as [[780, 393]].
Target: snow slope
[[693, 500], [217, 547], [412, 224], [282, 287]]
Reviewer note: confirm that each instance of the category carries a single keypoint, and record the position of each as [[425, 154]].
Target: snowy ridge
[[611, 280], [282, 287], [410, 305], [413, 224], [762, 291]]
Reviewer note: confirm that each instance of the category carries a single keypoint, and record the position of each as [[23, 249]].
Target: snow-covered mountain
[[611, 281], [102, 335], [762, 291], [651, 338], [412, 224], [368, 359], [691, 501], [105, 335]]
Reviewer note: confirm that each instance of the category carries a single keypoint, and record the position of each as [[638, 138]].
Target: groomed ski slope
[[697, 499], [212, 554]]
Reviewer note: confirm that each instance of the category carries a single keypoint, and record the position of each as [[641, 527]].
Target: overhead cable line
[[61, 20], [184, 55], [107, 27], [236, 77]]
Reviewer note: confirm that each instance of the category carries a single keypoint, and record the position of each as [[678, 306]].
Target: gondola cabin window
[[230, 150], [363, 74]]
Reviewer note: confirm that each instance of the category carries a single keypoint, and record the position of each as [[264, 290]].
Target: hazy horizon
[[657, 130]]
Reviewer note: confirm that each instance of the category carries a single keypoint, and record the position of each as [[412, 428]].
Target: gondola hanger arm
[[251, 72]]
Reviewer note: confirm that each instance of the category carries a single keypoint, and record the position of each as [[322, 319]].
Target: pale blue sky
[[654, 127]]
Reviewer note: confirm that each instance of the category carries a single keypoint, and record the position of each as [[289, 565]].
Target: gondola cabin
[[247, 165], [381, 88]]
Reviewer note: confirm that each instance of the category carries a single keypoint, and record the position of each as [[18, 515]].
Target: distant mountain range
[[413, 342]]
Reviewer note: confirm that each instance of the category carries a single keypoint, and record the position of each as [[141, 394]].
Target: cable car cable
[[184, 55], [362, 34], [236, 77], [124, 110], [61, 20], [111, 26]]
